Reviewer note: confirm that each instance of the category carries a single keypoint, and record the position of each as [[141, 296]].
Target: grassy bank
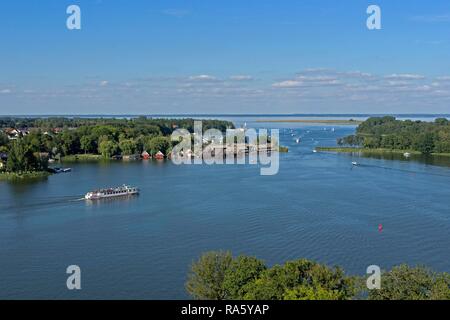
[[375, 151], [11, 176], [322, 121], [82, 157]]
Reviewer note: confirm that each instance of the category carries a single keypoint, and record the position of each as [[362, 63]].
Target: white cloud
[[311, 87], [203, 77], [241, 78], [287, 84], [443, 78], [405, 76]]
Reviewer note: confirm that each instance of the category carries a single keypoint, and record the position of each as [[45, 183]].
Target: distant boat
[[297, 140], [111, 193], [59, 170], [355, 163], [332, 129], [315, 151], [407, 154]]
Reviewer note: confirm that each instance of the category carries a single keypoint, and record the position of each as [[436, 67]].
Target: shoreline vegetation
[[218, 275], [381, 135], [82, 157], [319, 121], [27, 145], [20, 176], [380, 151]]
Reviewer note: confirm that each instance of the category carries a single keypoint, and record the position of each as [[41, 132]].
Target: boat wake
[[42, 202]]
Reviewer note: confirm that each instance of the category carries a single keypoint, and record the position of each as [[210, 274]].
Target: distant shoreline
[[287, 115], [322, 121], [375, 151]]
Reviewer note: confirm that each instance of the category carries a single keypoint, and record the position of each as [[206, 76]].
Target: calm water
[[317, 207]]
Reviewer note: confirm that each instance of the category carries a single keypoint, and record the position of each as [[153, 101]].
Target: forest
[[27, 143], [390, 133]]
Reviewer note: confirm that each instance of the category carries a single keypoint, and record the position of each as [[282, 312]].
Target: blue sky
[[233, 56]]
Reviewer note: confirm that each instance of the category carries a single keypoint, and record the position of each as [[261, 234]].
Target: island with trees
[[27, 144], [218, 275], [387, 134]]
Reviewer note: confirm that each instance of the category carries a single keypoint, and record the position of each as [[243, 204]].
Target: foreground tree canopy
[[389, 133], [220, 276]]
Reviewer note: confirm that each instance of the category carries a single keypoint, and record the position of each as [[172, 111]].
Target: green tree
[[206, 276], [3, 139], [303, 292], [442, 143], [424, 143], [108, 148], [299, 277], [153, 145], [70, 143], [408, 283], [86, 143], [442, 121], [243, 270], [128, 146], [267, 287], [21, 157]]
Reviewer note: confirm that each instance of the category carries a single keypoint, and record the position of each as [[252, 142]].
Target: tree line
[[104, 136], [217, 275], [390, 133]]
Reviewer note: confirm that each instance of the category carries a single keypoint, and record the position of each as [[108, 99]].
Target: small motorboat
[[59, 170], [297, 140], [314, 151], [407, 154], [355, 163]]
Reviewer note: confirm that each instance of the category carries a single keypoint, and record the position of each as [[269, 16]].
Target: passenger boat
[[111, 193]]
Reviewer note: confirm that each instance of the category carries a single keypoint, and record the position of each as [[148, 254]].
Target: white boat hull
[[110, 193]]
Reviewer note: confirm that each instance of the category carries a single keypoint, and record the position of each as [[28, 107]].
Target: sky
[[224, 57]]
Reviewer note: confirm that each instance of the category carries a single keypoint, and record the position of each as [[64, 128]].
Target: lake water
[[318, 206]]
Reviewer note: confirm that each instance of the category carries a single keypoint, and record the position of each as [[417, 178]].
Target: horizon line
[[225, 114]]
